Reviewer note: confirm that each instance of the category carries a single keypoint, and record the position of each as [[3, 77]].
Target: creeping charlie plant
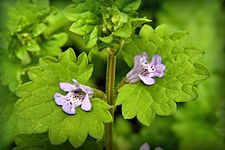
[[164, 69]]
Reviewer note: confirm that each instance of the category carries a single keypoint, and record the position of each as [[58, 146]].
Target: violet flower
[[78, 95], [146, 146], [145, 71]]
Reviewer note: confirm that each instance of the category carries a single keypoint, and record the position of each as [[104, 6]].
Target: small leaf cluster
[[27, 39], [27, 26], [104, 24]]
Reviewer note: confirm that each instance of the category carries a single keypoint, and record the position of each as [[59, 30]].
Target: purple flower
[[145, 71], [78, 95], [146, 146]]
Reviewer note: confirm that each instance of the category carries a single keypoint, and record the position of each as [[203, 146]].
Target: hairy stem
[[110, 81], [110, 91]]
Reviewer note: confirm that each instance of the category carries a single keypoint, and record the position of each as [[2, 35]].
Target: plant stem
[[110, 91], [110, 82]]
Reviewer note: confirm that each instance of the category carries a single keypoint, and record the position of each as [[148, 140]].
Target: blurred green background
[[197, 125]]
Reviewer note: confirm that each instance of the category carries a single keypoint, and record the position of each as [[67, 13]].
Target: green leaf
[[85, 15], [37, 100], [92, 52], [179, 84], [107, 39], [93, 38], [26, 13], [136, 101], [32, 46], [10, 72], [93, 18], [40, 28], [52, 46], [41, 142], [128, 5], [7, 121], [23, 55], [125, 31], [60, 38], [138, 22], [26, 40]]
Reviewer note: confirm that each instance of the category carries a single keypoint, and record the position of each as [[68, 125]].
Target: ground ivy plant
[[59, 97]]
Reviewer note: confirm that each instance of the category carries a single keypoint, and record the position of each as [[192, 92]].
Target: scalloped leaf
[[182, 75], [37, 102], [41, 142]]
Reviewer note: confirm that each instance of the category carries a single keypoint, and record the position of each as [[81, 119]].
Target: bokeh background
[[197, 125]]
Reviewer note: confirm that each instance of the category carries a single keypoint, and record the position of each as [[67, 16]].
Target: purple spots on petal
[[76, 96], [145, 71]]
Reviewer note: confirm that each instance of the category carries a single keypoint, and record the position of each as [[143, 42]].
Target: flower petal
[[140, 59], [67, 87], [84, 88], [160, 68], [77, 104], [86, 104], [59, 99], [67, 108], [132, 76], [156, 59], [147, 80], [75, 81], [145, 146], [160, 74]]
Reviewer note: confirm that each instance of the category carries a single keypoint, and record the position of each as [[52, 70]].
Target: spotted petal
[[147, 79], [68, 108], [67, 87], [84, 88], [86, 104]]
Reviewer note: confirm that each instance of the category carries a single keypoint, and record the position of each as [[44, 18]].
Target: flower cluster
[[78, 95], [145, 71]]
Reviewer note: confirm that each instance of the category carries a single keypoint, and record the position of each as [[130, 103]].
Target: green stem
[[110, 82], [110, 91]]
